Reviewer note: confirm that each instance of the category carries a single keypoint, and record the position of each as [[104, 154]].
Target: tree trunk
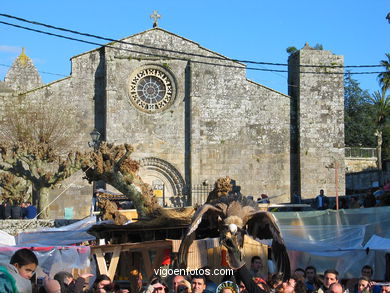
[[43, 202], [379, 149], [379, 154], [140, 200], [113, 165]]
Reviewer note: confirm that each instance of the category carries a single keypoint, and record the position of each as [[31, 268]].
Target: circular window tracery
[[151, 89]]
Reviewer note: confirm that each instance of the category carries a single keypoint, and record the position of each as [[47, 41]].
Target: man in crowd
[[198, 284], [321, 201], [175, 282], [335, 288], [31, 211], [311, 279], [367, 271], [330, 277], [256, 266], [354, 203]]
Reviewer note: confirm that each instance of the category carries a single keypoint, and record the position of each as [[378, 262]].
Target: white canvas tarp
[[66, 235], [6, 239], [336, 239]]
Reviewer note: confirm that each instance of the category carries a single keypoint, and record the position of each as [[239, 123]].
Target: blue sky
[[255, 30]]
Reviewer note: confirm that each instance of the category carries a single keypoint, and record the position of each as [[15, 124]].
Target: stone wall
[[318, 136], [353, 165], [365, 179], [218, 123], [14, 227]]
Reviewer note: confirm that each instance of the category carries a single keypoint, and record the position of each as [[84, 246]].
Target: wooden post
[[114, 262], [101, 262], [336, 172]]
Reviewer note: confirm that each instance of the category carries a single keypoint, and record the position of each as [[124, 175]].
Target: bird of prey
[[232, 217]]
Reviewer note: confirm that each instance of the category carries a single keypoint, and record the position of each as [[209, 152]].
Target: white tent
[[66, 235], [337, 239], [6, 239]]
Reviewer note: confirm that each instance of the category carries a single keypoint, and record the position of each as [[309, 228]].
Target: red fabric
[[167, 257], [258, 280], [386, 187], [224, 262]]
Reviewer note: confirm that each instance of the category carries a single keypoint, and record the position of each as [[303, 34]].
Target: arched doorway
[[167, 183]]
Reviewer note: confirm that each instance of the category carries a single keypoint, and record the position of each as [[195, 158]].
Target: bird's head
[[232, 230]]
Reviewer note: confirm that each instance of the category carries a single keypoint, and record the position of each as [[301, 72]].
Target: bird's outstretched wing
[[190, 234], [262, 225]]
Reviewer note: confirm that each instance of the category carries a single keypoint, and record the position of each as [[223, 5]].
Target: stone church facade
[[193, 116]]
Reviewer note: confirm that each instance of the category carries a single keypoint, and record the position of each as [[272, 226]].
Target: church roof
[[23, 75], [307, 47], [125, 40]]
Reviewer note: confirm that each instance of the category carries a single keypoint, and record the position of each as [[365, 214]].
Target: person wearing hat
[[227, 287]]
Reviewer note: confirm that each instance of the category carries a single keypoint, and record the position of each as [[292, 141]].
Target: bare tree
[[35, 140], [38, 123]]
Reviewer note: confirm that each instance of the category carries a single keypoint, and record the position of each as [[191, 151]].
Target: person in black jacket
[[7, 210], [68, 284], [16, 211], [2, 211]]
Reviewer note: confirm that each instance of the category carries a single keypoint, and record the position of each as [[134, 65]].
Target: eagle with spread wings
[[232, 217]]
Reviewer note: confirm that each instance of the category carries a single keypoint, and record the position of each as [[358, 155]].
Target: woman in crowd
[[363, 285]]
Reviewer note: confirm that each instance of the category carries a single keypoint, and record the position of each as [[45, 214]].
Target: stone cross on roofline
[[155, 16]]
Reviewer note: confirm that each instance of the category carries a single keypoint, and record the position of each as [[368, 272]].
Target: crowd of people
[[17, 211], [372, 198], [249, 281], [15, 278]]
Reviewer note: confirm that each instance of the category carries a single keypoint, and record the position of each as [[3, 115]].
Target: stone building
[[193, 116]]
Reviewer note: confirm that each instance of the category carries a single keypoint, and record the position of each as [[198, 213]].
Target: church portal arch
[[167, 182]]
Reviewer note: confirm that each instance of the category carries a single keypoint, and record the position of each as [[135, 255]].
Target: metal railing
[[357, 152], [200, 193]]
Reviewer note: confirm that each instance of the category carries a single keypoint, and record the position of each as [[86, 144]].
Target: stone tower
[[315, 80], [23, 75]]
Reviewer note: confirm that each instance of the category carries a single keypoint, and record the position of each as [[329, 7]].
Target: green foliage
[[166, 66], [381, 108], [291, 50], [359, 125], [384, 77], [319, 47]]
